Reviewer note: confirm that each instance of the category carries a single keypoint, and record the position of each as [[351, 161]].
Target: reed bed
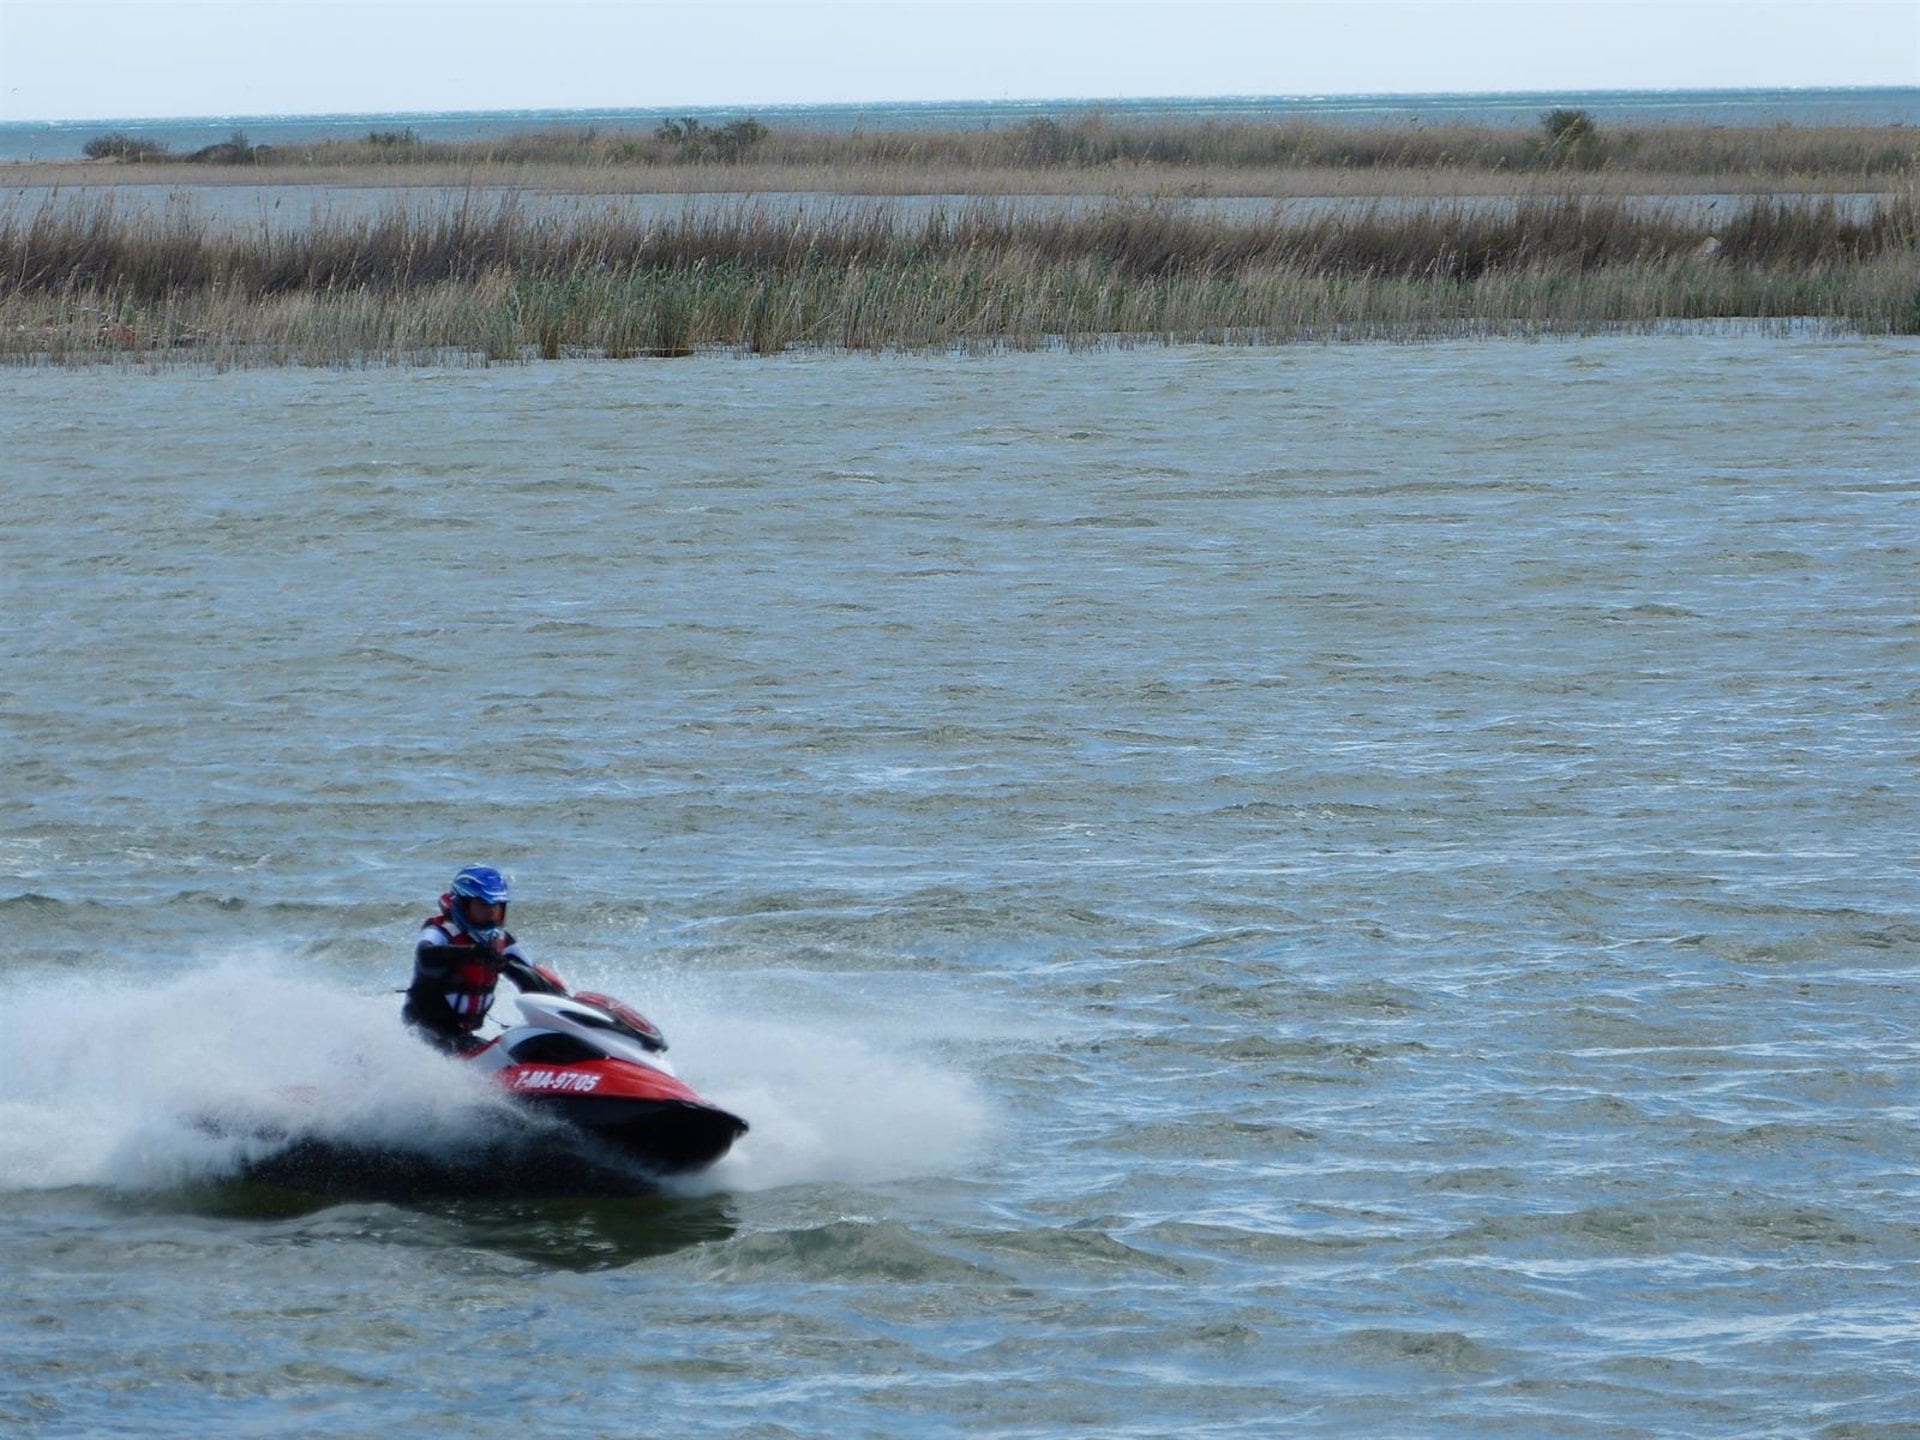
[[1092, 141], [492, 282]]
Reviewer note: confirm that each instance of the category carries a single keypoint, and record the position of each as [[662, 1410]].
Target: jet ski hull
[[543, 1146], [670, 1136], [596, 1065], [552, 1166]]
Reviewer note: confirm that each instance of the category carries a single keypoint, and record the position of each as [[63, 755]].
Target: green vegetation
[[79, 280]]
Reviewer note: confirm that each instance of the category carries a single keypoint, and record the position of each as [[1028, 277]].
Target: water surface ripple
[[1313, 891]]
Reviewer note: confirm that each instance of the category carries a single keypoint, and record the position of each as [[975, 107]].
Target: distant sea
[[63, 140]]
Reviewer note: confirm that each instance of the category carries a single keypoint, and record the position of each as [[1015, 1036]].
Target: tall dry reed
[[494, 282], [1093, 140]]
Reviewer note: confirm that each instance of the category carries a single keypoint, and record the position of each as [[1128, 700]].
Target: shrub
[[732, 141], [236, 149], [121, 146], [1042, 140], [1571, 140], [693, 141]]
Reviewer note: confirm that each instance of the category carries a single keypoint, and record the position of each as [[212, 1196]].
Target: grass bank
[[494, 283], [1089, 142]]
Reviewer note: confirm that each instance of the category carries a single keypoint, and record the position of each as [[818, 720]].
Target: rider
[[460, 956]]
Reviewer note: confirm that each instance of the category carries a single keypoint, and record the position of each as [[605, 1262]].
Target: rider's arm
[[528, 976]]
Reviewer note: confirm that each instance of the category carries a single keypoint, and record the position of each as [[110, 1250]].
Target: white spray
[[125, 1081]]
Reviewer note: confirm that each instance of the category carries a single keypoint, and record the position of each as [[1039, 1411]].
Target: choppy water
[[1318, 891]]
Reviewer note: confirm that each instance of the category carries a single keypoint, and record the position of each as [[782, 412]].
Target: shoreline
[[224, 358]]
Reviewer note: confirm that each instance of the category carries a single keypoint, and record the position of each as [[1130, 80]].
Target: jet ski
[[599, 1066], [592, 1107]]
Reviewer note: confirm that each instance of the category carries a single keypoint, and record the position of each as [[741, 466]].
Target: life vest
[[467, 988]]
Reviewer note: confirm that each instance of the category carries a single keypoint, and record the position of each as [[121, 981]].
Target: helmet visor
[[483, 914]]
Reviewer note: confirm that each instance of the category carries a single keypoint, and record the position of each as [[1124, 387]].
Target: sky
[[113, 59]]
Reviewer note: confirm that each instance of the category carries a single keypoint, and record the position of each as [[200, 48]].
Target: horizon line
[[1087, 101]]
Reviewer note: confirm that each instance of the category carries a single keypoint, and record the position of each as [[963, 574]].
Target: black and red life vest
[[466, 987]]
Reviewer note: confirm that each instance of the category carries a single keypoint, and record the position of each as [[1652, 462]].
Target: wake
[[238, 1071]]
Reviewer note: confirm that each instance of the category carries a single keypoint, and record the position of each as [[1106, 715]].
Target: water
[[1327, 891], [262, 209], [1849, 105]]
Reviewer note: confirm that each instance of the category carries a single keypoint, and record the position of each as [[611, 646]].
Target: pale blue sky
[[92, 59]]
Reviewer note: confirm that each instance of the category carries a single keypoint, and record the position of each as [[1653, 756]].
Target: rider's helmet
[[478, 886]]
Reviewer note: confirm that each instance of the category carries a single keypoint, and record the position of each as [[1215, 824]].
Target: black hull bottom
[[667, 1137], [565, 1149], [343, 1171]]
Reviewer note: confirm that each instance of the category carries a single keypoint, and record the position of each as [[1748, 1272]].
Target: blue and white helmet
[[484, 883]]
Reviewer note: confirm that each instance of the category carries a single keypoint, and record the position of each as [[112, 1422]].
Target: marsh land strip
[[1076, 153], [587, 243]]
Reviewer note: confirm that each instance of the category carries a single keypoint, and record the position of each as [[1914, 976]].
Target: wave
[[239, 1070]]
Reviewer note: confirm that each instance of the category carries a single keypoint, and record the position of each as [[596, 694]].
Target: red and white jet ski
[[600, 1066]]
